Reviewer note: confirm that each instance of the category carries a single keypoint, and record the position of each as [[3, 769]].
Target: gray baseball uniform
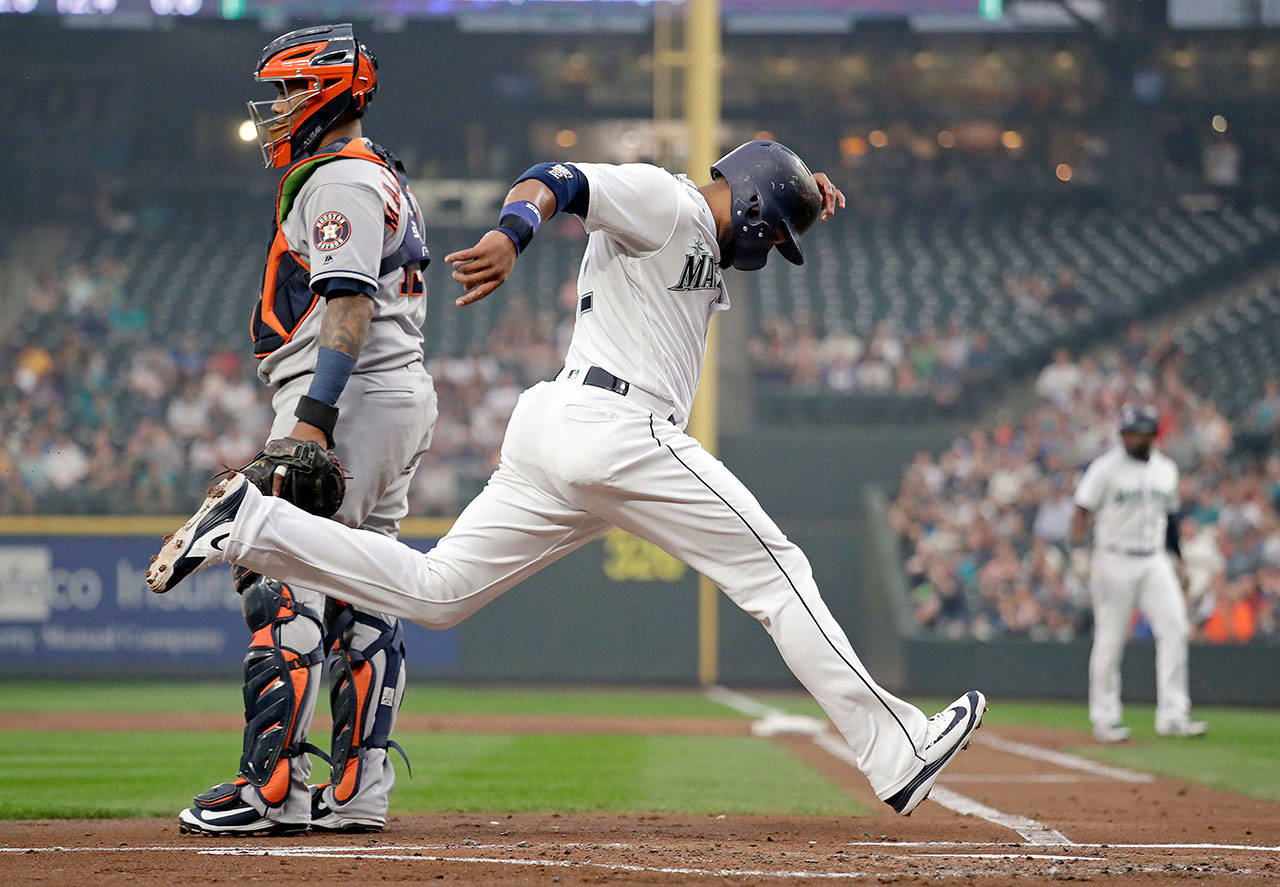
[[352, 224]]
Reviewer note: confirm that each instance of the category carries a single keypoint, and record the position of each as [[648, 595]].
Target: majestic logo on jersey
[[699, 272], [331, 231], [560, 171]]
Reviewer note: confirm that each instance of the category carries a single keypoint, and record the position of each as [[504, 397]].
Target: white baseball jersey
[[649, 281], [1132, 499], [578, 459], [348, 217]]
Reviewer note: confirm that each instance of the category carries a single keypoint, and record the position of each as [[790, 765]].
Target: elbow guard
[[566, 182]]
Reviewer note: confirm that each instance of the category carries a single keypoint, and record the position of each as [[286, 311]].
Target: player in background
[[1133, 491], [603, 445], [337, 333]]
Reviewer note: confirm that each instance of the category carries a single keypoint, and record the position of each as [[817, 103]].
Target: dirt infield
[[1029, 814]]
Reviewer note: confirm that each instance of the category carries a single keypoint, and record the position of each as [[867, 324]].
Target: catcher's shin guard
[[281, 680], [366, 684]]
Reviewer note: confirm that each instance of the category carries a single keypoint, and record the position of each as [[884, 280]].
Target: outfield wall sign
[[75, 603]]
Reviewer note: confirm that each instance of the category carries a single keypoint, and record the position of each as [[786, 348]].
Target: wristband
[[519, 221], [333, 368], [318, 413]]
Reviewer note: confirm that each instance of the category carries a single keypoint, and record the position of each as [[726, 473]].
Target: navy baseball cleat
[[948, 732], [199, 543], [223, 811]]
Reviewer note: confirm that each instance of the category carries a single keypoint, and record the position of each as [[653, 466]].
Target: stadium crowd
[[795, 357], [983, 527], [103, 415]]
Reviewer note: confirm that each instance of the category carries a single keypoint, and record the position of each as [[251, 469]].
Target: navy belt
[[599, 377]]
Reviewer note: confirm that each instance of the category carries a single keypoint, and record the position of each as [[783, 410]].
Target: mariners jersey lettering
[[1131, 498], [346, 224], [649, 281]]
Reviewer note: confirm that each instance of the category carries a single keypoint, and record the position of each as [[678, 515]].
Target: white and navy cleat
[[948, 732], [199, 543], [222, 810]]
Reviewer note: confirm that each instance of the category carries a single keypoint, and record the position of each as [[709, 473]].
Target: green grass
[[61, 774], [224, 696], [64, 774], [1240, 754]]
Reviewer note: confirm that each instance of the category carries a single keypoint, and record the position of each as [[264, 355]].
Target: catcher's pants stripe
[[576, 461], [865, 680]]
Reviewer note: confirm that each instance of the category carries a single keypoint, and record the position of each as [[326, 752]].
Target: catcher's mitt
[[301, 472]]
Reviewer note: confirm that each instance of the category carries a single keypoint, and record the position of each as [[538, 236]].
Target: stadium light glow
[[877, 138], [853, 146], [1011, 139], [1219, 123], [566, 138], [1063, 172], [946, 139], [247, 131]]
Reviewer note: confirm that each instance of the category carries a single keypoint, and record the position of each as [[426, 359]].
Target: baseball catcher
[[336, 331]]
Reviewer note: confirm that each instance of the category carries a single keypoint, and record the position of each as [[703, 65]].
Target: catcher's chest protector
[[287, 298]]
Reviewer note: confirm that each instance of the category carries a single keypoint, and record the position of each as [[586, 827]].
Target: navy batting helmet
[[1140, 417], [773, 193]]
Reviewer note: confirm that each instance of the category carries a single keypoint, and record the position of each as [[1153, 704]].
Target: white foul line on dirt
[[1062, 759], [1056, 857], [1082, 846], [398, 854], [1022, 777], [409, 850], [1032, 832]]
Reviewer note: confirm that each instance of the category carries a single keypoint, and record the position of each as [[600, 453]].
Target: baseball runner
[[1133, 490], [337, 332], [603, 445]]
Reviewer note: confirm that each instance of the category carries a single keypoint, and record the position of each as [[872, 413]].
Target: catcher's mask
[[322, 73], [774, 200]]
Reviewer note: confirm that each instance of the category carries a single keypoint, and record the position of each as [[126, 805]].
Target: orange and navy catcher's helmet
[[324, 73]]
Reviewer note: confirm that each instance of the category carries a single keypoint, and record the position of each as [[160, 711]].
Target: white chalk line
[[1062, 759], [1058, 857], [1032, 831], [399, 854], [321, 849], [1023, 777], [1084, 845]]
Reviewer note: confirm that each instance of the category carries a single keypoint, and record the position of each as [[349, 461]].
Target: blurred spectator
[[1066, 300], [918, 362], [1058, 381], [1265, 414]]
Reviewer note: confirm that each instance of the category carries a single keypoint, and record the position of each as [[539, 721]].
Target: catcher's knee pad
[[366, 684], [281, 677]]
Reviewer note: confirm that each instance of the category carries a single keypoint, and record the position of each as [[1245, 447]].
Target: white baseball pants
[[576, 461], [1120, 582]]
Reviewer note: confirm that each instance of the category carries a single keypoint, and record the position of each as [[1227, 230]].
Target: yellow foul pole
[[702, 116]]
